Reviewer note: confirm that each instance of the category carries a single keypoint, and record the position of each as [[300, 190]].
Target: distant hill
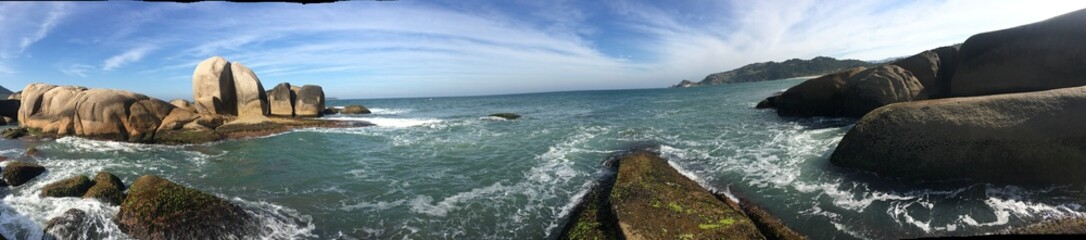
[[4, 92], [777, 70]]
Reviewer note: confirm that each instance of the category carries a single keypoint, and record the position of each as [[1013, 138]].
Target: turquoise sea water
[[439, 169]]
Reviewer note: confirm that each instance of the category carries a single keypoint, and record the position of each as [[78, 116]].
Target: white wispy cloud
[[23, 25], [76, 70], [129, 56]]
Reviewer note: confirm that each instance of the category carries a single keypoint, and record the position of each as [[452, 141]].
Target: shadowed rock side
[[1039, 56], [310, 101], [816, 97], [281, 100], [159, 209], [1032, 137], [650, 200]]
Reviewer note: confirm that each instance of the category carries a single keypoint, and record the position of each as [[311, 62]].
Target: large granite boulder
[[97, 113], [816, 97], [310, 101], [107, 188], [1039, 56], [1033, 137], [213, 87], [69, 187], [252, 100], [925, 67], [159, 209], [878, 87], [16, 173], [281, 100]]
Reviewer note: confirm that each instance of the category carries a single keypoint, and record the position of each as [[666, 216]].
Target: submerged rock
[[509, 116], [354, 109], [73, 224], [69, 187], [107, 188], [16, 173], [1038, 56], [156, 208], [1033, 137]]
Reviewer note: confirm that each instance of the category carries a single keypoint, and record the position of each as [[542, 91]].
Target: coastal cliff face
[[776, 70]]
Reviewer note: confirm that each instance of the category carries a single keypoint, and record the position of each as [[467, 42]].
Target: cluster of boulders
[[152, 208], [225, 93], [1004, 107]]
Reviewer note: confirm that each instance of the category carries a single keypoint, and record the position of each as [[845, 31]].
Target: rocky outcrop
[[354, 109], [878, 87], [252, 100], [1039, 56], [281, 100], [69, 187], [213, 87], [183, 104], [107, 189], [1029, 137], [159, 209], [925, 67], [74, 224], [97, 113], [685, 84], [17, 173], [310, 101], [506, 116], [647, 199], [778, 70], [820, 96]]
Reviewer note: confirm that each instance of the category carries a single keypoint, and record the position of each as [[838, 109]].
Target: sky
[[391, 49]]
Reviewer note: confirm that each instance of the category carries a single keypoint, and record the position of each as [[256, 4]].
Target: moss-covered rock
[[651, 200], [592, 218], [509, 116], [107, 188], [17, 173], [354, 109], [1075, 226], [159, 209], [69, 187]]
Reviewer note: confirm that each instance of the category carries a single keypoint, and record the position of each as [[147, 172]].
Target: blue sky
[[467, 47]]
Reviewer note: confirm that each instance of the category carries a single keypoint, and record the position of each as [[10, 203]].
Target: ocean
[[439, 168]]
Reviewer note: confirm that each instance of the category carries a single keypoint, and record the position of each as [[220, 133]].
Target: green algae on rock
[[69, 187], [159, 209], [17, 173], [107, 188]]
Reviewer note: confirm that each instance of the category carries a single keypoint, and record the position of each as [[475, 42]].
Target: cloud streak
[[132, 55]]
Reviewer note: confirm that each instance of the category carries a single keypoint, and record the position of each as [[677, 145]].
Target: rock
[[281, 100], [1062, 226], [177, 119], [159, 209], [651, 200], [213, 87], [816, 97], [13, 133], [31, 151], [1038, 56], [769, 102], [9, 120], [10, 108], [74, 224], [331, 110], [95, 113], [107, 189], [16, 173], [354, 109], [925, 67], [507, 116], [251, 99], [685, 84], [877, 87], [16, 95], [189, 136], [1032, 137], [310, 101], [183, 104], [770, 225], [69, 187]]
